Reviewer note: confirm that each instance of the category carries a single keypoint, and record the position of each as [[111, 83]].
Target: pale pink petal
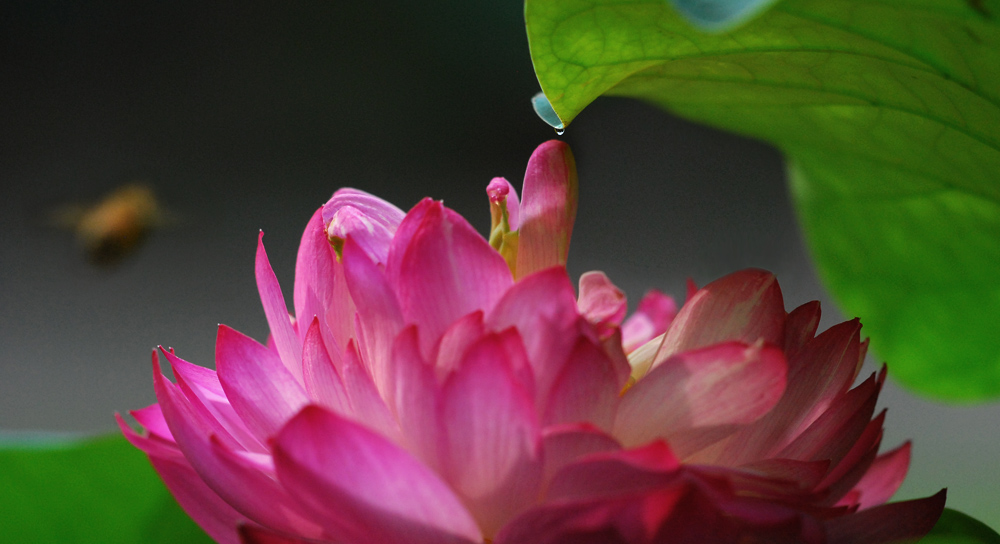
[[314, 275], [883, 478], [323, 383], [288, 343], [563, 444], [320, 286], [586, 389], [543, 309], [818, 372], [651, 319], [834, 433], [380, 317], [491, 445], [722, 385], [261, 390], [415, 392], [801, 325], [369, 219], [500, 188], [241, 484], [446, 271], [899, 522], [744, 306], [214, 515], [362, 487], [548, 208], [341, 311], [612, 346], [601, 302], [367, 405]]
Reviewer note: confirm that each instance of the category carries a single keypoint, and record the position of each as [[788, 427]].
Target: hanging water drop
[[544, 110]]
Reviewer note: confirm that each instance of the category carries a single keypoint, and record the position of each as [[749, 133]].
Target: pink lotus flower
[[437, 387]]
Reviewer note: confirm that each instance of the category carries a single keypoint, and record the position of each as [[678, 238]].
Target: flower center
[[502, 238]]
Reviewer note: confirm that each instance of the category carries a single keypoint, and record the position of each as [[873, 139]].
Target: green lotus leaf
[[957, 528], [100, 490], [889, 113]]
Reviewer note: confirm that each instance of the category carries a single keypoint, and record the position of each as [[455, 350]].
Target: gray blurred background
[[247, 118]]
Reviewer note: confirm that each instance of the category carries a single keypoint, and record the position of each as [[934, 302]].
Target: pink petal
[[151, 419], [601, 302], [367, 406], [371, 221], [240, 483], [563, 444], [414, 390], [835, 432], [205, 507], [285, 339], [447, 270], [625, 520], [543, 309], [621, 472], [801, 325], [548, 208], [153, 445], [818, 372], [883, 478], [586, 389], [455, 341], [723, 385], [252, 534], [906, 521], [363, 488], [651, 319], [378, 308], [745, 306], [491, 441], [412, 222], [849, 470], [679, 510], [204, 391], [323, 383], [261, 390], [799, 476]]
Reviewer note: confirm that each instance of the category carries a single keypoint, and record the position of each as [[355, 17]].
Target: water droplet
[[544, 110]]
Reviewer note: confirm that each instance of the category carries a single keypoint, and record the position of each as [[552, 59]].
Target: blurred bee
[[115, 226]]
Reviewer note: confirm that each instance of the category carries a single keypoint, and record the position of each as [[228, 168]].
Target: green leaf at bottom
[[957, 528], [100, 490]]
